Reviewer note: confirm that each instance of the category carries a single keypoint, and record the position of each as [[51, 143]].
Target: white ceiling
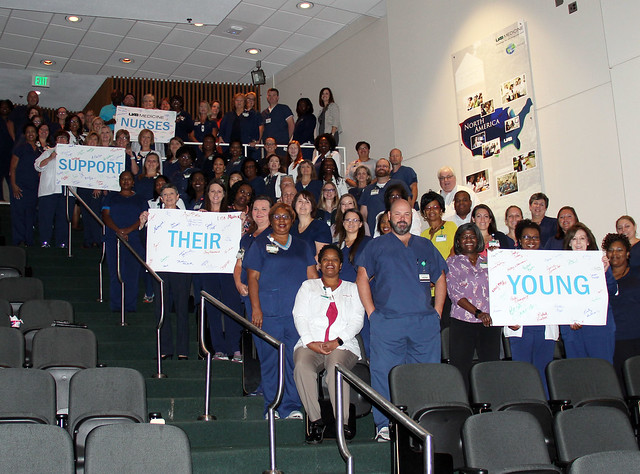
[[167, 47]]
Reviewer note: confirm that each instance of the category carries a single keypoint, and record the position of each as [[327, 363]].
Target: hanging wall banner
[[499, 151], [90, 167], [133, 119], [193, 241], [540, 287]]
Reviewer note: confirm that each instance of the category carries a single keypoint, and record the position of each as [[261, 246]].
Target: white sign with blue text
[[193, 241], [133, 119], [541, 287], [90, 167]]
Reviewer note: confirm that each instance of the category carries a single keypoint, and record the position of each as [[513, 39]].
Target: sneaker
[[237, 357], [276, 415], [220, 356], [147, 299], [382, 435], [45, 245], [295, 415], [316, 432]]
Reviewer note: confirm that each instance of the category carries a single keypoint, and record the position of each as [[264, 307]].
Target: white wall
[[355, 65]]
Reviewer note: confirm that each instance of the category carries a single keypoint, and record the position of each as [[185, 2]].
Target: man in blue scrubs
[[405, 328], [372, 199]]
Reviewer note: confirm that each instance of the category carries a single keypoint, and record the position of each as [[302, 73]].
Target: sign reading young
[[192, 241], [536, 288]]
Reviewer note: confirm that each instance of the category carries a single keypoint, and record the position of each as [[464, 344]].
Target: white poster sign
[[539, 287], [89, 166], [133, 119], [193, 241]]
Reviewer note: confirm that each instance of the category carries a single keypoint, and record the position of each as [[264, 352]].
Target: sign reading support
[[133, 119], [542, 287], [89, 166], [193, 241]]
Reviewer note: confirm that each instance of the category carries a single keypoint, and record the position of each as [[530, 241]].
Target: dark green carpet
[[237, 441]]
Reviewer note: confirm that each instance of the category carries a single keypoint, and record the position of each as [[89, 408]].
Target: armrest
[[62, 420], [480, 407]]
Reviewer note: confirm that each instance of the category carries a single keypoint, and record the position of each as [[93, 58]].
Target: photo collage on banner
[[498, 133]]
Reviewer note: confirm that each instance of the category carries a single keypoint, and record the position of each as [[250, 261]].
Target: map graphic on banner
[[499, 154], [133, 119], [89, 166], [193, 241], [541, 287]]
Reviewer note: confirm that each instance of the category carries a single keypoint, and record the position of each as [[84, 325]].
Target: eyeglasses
[[281, 217], [432, 208], [352, 221], [530, 237], [328, 190], [442, 178]]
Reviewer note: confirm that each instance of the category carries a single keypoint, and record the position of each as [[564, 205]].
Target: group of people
[[339, 268]]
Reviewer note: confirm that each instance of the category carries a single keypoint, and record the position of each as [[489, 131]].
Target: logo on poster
[[511, 48]]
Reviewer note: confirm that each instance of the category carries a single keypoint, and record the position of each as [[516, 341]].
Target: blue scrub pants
[[52, 214], [532, 347], [23, 216], [177, 287], [222, 287], [129, 270], [92, 230], [589, 341], [411, 339], [283, 329]]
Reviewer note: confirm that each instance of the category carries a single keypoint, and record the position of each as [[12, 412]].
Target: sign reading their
[[89, 166], [544, 287], [193, 241]]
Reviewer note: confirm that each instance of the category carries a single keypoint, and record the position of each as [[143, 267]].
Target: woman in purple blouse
[[468, 288]]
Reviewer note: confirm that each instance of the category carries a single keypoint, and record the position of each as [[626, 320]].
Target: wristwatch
[[340, 341], [477, 312]]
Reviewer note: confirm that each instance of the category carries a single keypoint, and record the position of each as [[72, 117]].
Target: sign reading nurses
[[540, 287], [193, 241], [133, 119], [89, 166]]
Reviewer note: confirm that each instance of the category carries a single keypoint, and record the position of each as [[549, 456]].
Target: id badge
[[424, 278], [375, 191], [267, 120], [240, 254], [441, 238], [272, 248]]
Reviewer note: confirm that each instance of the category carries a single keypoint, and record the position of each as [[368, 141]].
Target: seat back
[[27, 396], [35, 448], [17, 290], [503, 383], [587, 381], [620, 462], [38, 314], [11, 347], [631, 372], [13, 261], [503, 440], [103, 396], [592, 429], [142, 448], [5, 314], [435, 396], [63, 352]]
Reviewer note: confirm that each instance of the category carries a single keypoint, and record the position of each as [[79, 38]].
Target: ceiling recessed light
[[254, 51], [304, 5], [73, 18], [47, 62], [198, 24], [126, 60]]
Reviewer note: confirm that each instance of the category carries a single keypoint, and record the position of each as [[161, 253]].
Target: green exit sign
[[40, 81]]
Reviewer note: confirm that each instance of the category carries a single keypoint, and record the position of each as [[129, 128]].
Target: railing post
[[159, 374], [122, 320], [68, 220], [340, 438], [206, 416]]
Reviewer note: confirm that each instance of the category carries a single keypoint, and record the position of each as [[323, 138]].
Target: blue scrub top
[[144, 187], [281, 273], [317, 231], [399, 290], [548, 228], [314, 187], [349, 271], [373, 198], [406, 175], [124, 211], [275, 123], [27, 178], [625, 305]]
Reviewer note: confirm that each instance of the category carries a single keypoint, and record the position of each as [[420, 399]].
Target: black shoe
[[316, 432], [349, 434]]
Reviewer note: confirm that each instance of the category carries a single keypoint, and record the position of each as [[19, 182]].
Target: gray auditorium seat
[[38, 314], [11, 347], [29, 449], [5, 314], [141, 449], [63, 352], [27, 396], [103, 396], [17, 290], [13, 261], [618, 462]]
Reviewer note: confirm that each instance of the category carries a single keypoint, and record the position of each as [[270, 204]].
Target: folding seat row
[[17, 290], [13, 261], [139, 449], [435, 396]]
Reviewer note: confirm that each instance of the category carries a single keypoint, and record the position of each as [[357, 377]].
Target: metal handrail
[[269, 340], [384, 405], [159, 374]]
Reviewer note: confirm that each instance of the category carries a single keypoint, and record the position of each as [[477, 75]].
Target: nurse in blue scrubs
[[121, 215], [277, 263], [306, 227]]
